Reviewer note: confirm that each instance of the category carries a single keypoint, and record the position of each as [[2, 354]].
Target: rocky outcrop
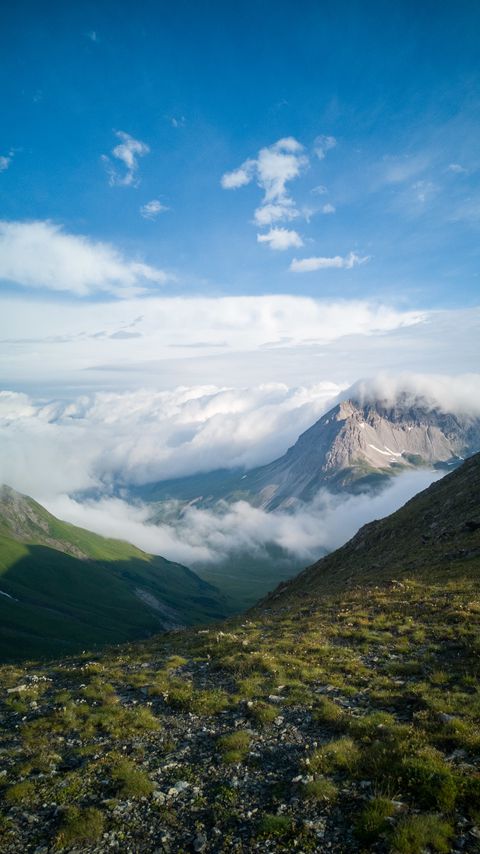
[[356, 447]]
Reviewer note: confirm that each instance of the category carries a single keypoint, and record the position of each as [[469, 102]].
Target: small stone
[[200, 842]]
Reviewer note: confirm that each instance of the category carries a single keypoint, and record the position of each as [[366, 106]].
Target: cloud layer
[[143, 436], [138, 437], [165, 339], [42, 255], [459, 394], [199, 536]]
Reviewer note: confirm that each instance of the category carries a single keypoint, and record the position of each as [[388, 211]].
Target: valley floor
[[344, 725]]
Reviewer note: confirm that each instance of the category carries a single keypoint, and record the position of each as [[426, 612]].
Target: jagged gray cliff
[[356, 447]]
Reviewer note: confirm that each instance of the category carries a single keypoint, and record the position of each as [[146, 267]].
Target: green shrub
[[414, 834], [372, 726], [471, 797], [20, 793], [372, 820], [234, 747], [129, 780], [262, 713], [327, 712], [179, 694], [320, 790], [275, 826], [209, 702], [429, 781], [340, 755], [80, 826]]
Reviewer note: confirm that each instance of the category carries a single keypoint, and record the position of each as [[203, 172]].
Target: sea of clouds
[[53, 450]]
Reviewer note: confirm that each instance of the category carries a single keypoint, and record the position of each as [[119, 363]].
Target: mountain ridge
[[356, 446], [64, 588], [439, 529]]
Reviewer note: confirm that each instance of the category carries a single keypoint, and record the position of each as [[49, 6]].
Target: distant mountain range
[[354, 447], [63, 588]]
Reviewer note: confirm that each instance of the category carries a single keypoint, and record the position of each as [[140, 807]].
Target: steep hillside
[[63, 588], [432, 534], [341, 715]]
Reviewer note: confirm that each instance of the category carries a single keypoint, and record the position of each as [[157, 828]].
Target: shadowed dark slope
[[63, 588], [437, 532]]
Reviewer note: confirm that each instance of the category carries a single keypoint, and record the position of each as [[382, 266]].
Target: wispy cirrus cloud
[[127, 152], [41, 254], [323, 144], [310, 265], [5, 160], [151, 209]]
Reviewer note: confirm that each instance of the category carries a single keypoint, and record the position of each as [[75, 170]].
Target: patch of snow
[[393, 453], [379, 451]]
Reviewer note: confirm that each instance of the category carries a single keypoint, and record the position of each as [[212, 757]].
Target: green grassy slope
[[67, 588], [342, 714]]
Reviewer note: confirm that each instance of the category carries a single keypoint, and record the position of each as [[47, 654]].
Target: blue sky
[[206, 86], [120, 124]]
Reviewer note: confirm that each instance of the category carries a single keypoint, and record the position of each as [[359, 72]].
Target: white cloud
[[41, 255], [267, 214], [197, 536], [280, 238], [137, 437], [323, 144], [142, 436], [5, 161], [309, 265], [127, 152], [239, 177], [273, 168], [457, 169], [151, 209], [278, 164], [459, 394], [328, 209]]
